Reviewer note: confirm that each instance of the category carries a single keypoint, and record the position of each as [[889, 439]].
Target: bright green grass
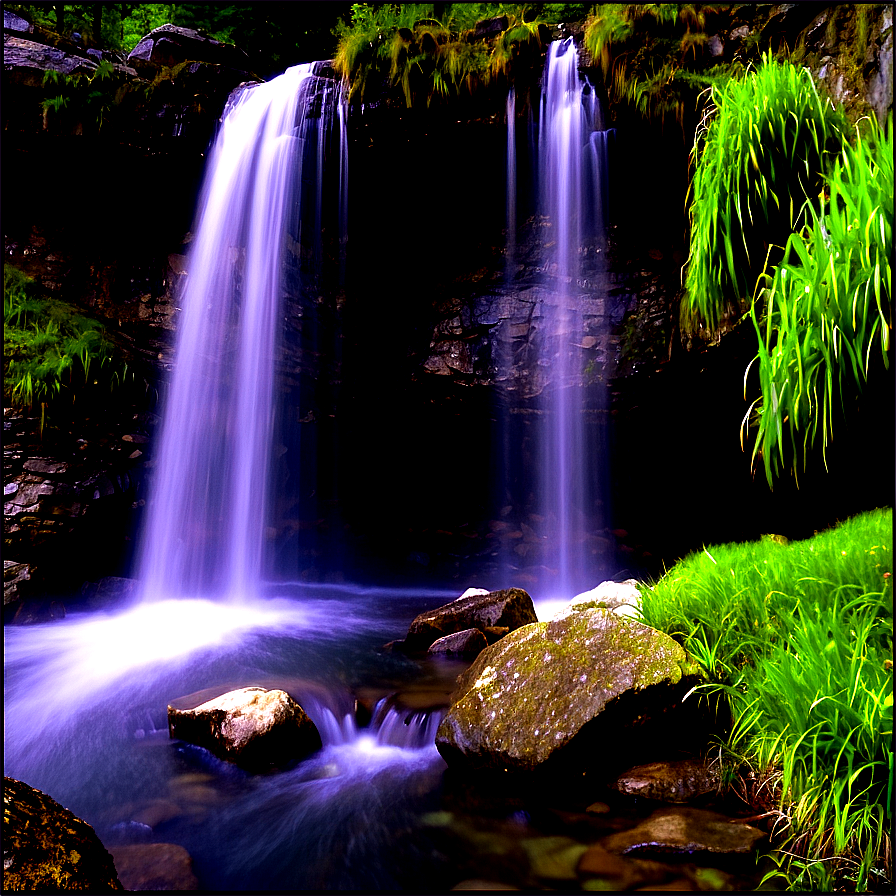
[[799, 638]]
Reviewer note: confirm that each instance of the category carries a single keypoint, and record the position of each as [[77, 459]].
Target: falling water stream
[[86, 697]]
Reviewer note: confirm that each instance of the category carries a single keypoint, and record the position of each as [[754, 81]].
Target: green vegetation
[[51, 351], [654, 56], [90, 98], [406, 45], [799, 639], [761, 159], [828, 316]]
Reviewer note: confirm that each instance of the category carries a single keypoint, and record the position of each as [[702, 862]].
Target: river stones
[[252, 727], [527, 698], [671, 782], [46, 848], [510, 608], [683, 830]]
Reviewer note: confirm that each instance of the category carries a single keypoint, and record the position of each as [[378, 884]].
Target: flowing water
[[572, 177], [86, 697], [208, 513]]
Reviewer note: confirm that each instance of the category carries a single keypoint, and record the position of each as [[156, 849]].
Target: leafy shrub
[[759, 165], [51, 350], [828, 315], [799, 639]]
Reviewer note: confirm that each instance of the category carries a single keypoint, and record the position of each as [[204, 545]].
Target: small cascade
[[208, 512], [390, 727], [572, 175]]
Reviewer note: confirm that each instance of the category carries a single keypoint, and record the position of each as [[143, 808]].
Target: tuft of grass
[[799, 639], [759, 163], [828, 312]]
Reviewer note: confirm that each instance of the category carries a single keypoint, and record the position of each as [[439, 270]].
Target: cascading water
[[208, 514], [572, 172]]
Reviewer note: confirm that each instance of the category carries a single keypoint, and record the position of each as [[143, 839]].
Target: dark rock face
[[511, 608], [685, 831], [60, 504], [48, 849], [252, 727], [21, 55], [526, 699], [467, 644], [155, 866]]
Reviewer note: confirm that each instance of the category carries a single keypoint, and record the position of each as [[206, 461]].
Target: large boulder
[[169, 45], [591, 685], [510, 609], [252, 727], [47, 849]]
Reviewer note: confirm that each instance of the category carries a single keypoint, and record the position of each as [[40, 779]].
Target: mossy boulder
[[587, 688], [47, 849]]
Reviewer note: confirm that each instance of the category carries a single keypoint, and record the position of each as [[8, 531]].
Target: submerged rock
[[47, 849], [671, 782], [252, 727], [683, 830], [155, 866], [510, 608], [528, 697]]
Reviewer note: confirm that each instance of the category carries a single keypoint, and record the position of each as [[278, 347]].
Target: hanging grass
[[51, 351], [760, 160], [798, 638], [404, 45], [828, 315], [654, 57]]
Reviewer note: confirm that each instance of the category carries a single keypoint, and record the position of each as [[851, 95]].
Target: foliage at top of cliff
[[428, 50]]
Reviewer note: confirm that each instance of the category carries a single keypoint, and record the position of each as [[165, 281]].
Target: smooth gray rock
[[467, 644], [252, 727], [509, 608]]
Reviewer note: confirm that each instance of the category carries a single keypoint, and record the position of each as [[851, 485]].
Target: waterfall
[[208, 512], [572, 189]]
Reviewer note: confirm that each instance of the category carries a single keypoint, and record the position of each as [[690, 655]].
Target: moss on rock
[[529, 695]]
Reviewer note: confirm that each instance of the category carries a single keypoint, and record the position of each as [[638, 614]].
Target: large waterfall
[[208, 513]]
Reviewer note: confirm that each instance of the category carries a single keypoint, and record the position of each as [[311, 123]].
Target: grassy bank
[[798, 638]]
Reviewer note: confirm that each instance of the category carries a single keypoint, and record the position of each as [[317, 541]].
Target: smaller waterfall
[[572, 175], [208, 512]]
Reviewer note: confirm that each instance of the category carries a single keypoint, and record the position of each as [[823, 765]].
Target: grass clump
[[51, 351], [759, 164], [799, 639], [828, 313]]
